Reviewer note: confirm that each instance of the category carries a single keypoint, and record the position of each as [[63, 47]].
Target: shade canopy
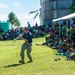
[[70, 16]]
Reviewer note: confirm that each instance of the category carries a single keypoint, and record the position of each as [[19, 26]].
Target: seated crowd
[[13, 33], [62, 39]]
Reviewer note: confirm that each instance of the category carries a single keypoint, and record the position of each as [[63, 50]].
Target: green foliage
[[36, 12], [13, 19], [17, 22], [43, 60], [36, 15], [31, 12]]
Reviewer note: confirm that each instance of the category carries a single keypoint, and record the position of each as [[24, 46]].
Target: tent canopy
[[70, 16]]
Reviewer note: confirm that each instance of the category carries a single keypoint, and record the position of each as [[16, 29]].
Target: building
[[52, 9]]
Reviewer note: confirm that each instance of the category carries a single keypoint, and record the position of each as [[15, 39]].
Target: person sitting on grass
[[55, 44], [60, 43], [73, 51], [47, 43], [64, 46], [71, 54], [1, 38]]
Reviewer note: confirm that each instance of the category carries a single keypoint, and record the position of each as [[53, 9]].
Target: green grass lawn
[[43, 60]]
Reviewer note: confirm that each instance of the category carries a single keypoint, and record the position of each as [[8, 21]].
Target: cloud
[[3, 17], [17, 4], [23, 18], [3, 6]]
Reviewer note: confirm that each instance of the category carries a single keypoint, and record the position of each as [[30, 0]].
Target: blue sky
[[21, 8]]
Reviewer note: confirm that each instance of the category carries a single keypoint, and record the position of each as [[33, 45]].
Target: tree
[[13, 20], [17, 22], [37, 12]]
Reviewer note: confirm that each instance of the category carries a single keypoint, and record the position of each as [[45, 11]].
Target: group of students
[[62, 39]]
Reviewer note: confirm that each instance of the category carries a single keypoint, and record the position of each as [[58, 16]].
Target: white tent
[[70, 16]]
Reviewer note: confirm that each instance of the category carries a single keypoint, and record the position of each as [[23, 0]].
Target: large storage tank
[[52, 9], [5, 26]]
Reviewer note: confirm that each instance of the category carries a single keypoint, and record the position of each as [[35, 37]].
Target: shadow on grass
[[13, 65]]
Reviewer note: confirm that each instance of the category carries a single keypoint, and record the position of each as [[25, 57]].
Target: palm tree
[[37, 13]]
